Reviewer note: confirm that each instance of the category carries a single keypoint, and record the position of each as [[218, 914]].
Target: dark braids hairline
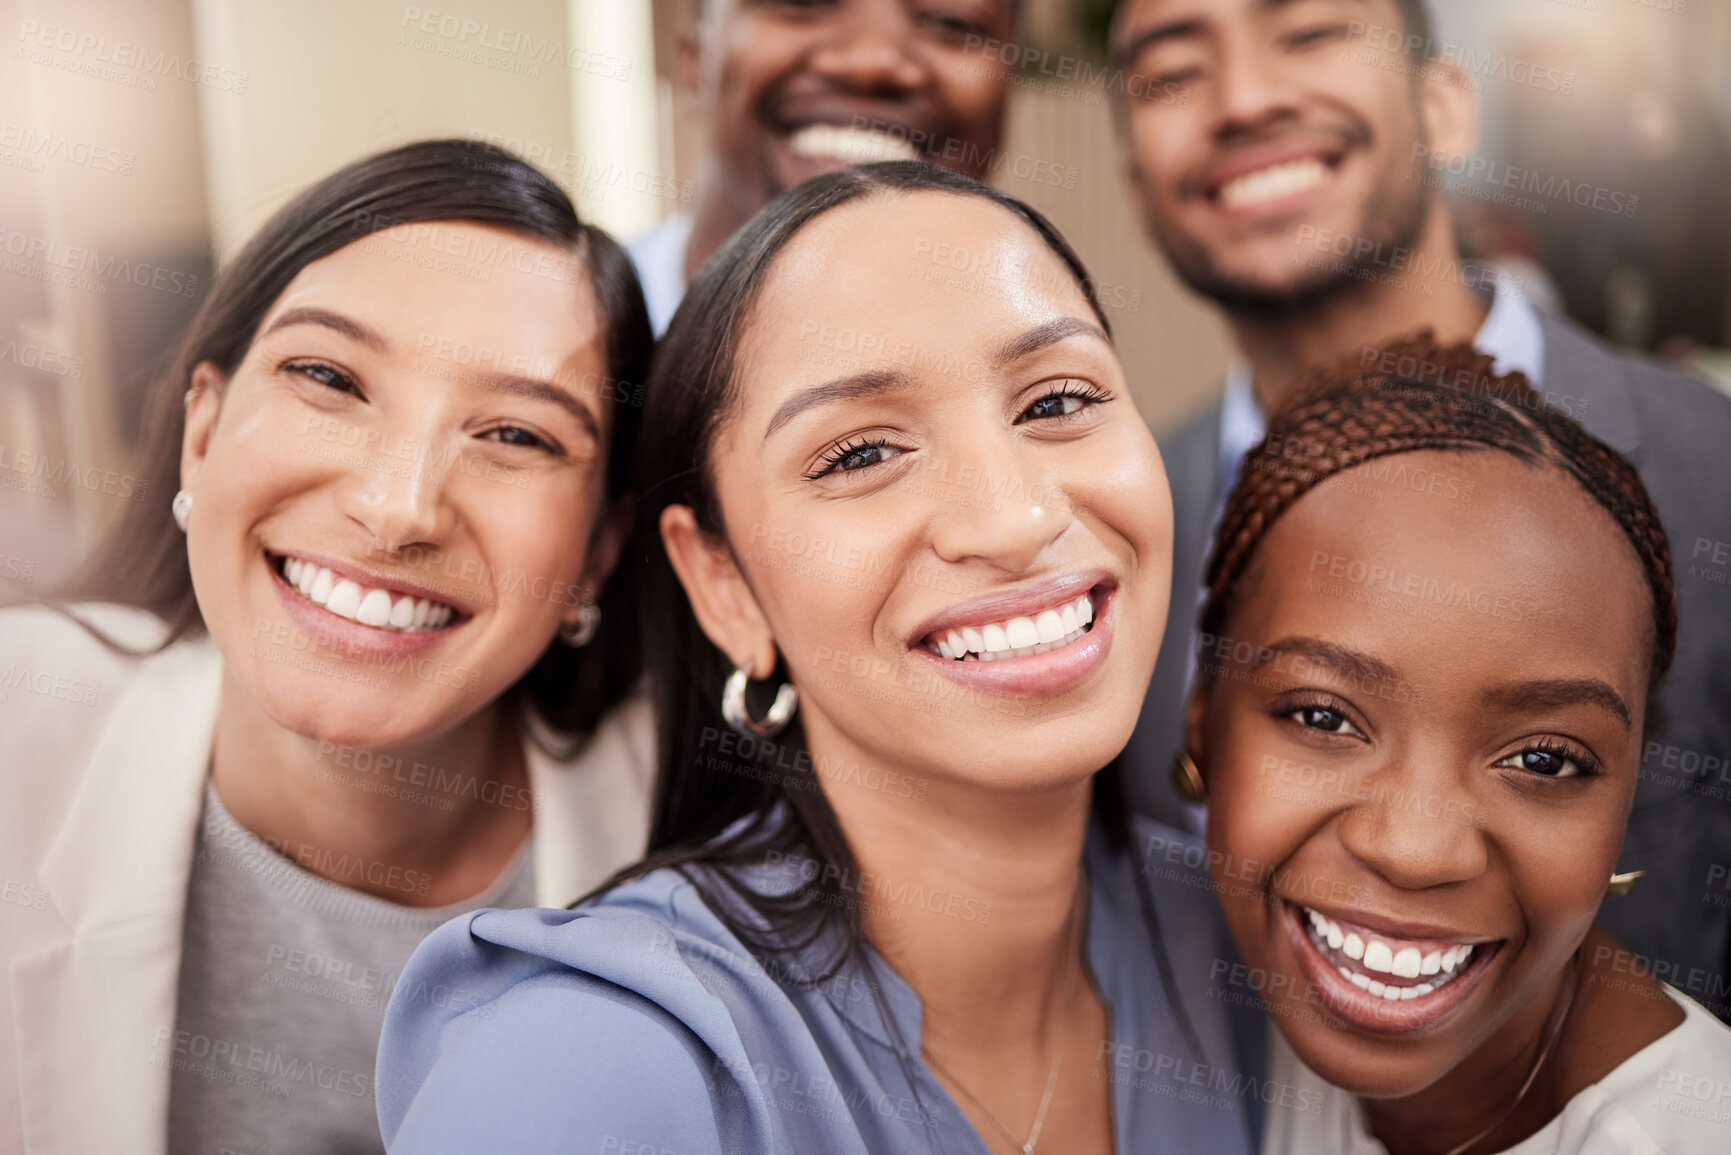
[[1343, 415]]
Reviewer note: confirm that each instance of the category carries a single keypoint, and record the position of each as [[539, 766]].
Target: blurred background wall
[[142, 140]]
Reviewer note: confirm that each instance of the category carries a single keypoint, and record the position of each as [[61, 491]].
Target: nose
[[1251, 90], [1416, 830], [400, 501], [871, 49], [991, 510]]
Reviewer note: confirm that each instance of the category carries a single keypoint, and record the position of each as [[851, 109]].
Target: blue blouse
[[639, 1025]]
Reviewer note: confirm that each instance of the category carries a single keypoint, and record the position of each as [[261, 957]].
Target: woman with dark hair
[[1437, 615], [364, 672], [915, 551]]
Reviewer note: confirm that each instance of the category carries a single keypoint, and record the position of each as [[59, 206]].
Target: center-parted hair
[[1415, 395]]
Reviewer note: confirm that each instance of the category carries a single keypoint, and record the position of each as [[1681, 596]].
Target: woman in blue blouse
[[914, 563]]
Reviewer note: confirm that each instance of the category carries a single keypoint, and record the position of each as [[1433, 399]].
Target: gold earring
[[1187, 779], [1622, 884]]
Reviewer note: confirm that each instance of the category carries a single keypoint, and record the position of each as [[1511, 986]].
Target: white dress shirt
[[659, 255]]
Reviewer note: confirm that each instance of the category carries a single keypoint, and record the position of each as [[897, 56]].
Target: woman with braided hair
[[1437, 612]]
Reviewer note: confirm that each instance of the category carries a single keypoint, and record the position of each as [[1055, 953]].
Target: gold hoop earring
[[733, 709], [1622, 884], [1187, 778]]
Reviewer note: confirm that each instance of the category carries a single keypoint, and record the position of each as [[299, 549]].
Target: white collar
[[1511, 333]]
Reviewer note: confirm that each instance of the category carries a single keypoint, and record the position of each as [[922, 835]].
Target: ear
[[1195, 715], [606, 542], [1448, 110], [204, 403], [725, 606], [688, 60]]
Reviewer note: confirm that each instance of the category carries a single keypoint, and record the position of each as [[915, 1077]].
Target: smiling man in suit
[[1285, 178]]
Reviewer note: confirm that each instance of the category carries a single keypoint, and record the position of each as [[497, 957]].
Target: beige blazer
[[103, 761]]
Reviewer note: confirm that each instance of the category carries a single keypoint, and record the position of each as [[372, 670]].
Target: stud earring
[[733, 709], [1187, 778], [582, 631], [181, 507], [1622, 884]]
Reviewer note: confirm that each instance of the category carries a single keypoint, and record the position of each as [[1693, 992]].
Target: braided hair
[[1414, 395]]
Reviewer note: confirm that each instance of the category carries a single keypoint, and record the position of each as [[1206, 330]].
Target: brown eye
[[1322, 718]]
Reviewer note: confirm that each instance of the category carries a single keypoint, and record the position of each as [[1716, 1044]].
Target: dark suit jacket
[[1677, 432]]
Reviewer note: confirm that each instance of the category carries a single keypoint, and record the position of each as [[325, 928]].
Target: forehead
[[1140, 15], [1464, 561], [926, 279], [447, 288]]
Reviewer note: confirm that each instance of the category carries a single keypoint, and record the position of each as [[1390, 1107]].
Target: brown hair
[[1414, 395], [143, 561]]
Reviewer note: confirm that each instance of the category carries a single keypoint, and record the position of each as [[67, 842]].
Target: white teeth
[[345, 600], [1381, 958], [377, 608], [1273, 182], [1018, 637], [852, 145], [1050, 626]]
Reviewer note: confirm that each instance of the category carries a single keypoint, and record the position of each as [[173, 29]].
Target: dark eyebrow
[[1351, 665], [1553, 692], [1184, 29], [1041, 336], [538, 390], [1181, 29], [870, 383], [347, 326]]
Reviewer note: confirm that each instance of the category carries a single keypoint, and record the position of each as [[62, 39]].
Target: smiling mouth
[[849, 145], [1273, 183], [1022, 636], [382, 609]]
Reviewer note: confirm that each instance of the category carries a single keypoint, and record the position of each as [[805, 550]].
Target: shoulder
[[1673, 1095], [63, 670], [76, 630], [533, 1030], [1663, 397]]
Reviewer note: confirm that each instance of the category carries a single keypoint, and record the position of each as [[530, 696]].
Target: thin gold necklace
[[1026, 1146]]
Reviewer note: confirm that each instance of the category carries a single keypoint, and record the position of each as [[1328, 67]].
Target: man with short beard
[[792, 89], [1285, 176]]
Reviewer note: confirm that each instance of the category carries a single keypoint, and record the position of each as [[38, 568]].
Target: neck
[[716, 216], [1427, 291], [992, 948], [1478, 1097], [407, 822]]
